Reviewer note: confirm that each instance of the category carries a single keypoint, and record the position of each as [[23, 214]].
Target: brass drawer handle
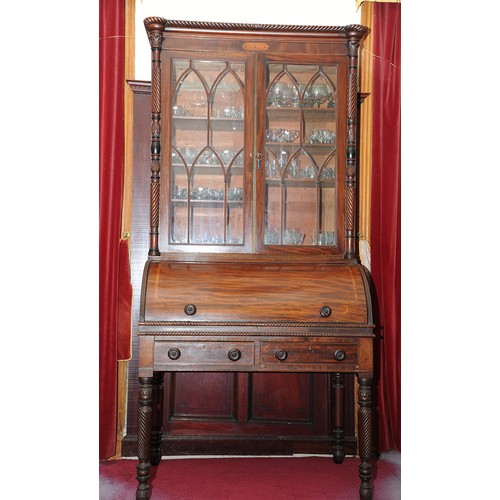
[[281, 354]]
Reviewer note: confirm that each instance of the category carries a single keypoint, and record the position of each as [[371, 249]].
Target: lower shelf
[[242, 445]]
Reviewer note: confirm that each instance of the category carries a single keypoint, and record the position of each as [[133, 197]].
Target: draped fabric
[[386, 215], [124, 326], [113, 253], [359, 2], [365, 138]]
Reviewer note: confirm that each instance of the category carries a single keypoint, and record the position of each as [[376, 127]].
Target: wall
[[317, 12]]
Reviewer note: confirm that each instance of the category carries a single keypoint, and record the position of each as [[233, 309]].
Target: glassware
[[180, 111], [321, 136], [226, 155], [235, 193], [176, 193], [308, 172], [281, 135], [289, 135], [283, 159], [325, 238], [274, 95], [271, 169], [293, 169], [293, 237], [328, 173], [271, 237], [319, 93], [316, 94], [199, 104]]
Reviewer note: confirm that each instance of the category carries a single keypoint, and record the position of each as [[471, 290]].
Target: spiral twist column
[[353, 40], [144, 437], [155, 27], [365, 437]]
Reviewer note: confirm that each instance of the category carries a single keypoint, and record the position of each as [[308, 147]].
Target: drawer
[[309, 353], [198, 353]]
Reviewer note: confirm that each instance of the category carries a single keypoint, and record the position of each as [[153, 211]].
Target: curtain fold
[[365, 138], [111, 255], [359, 2], [386, 215]]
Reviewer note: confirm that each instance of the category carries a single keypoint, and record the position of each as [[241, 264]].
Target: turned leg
[[365, 436], [338, 417], [144, 436], [157, 417]]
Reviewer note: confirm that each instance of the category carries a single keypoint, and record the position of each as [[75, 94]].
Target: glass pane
[[180, 191], [227, 95], [300, 220], [209, 71], [328, 203], [272, 230], [207, 152], [301, 125], [234, 229], [207, 200]]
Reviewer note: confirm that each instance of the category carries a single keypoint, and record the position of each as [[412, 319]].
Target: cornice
[[352, 29]]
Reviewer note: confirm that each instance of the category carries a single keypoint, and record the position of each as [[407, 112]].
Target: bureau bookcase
[[252, 264]]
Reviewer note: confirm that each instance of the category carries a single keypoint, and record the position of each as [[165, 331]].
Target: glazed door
[[302, 145], [222, 129], [206, 185]]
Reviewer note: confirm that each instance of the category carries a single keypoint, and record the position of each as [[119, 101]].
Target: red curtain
[[113, 260], [386, 215]]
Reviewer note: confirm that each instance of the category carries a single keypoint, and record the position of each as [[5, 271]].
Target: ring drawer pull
[[174, 353], [281, 354], [339, 355], [234, 354], [190, 309]]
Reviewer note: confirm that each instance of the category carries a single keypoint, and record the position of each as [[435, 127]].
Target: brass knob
[[174, 353], [234, 354], [190, 309], [325, 311], [281, 354], [339, 355]]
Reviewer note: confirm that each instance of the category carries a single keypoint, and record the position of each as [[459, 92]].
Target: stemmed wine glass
[[319, 93]]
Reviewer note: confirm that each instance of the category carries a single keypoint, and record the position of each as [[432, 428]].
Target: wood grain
[[254, 292]]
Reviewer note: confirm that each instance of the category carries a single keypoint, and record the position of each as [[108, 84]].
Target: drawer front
[[202, 354], [249, 293], [308, 353]]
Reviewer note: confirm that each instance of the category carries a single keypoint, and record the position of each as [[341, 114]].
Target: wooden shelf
[[202, 123], [207, 203], [307, 183]]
